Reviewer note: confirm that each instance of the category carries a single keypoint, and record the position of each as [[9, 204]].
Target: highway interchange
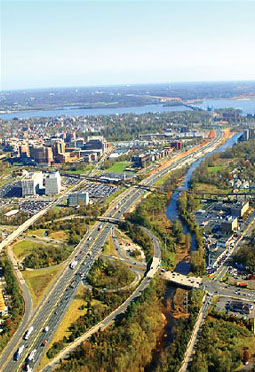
[[55, 304]]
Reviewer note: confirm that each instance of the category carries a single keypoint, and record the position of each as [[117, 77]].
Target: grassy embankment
[[39, 281]]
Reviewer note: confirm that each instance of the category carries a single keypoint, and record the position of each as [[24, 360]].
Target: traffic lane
[[140, 192], [134, 294], [54, 294]]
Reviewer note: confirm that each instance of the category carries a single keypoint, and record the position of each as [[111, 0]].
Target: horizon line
[[128, 84]]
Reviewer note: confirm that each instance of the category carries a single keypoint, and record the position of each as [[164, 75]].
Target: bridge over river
[[182, 280]]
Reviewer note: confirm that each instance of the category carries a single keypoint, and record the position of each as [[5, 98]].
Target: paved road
[[111, 317], [11, 346], [194, 337], [61, 294]]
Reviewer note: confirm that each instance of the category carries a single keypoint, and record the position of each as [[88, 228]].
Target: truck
[[73, 264], [242, 284], [28, 333], [18, 352]]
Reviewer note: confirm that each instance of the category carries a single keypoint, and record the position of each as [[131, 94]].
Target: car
[[46, 329], [44, 343]]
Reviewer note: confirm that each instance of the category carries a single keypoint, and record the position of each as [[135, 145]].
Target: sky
[[95, 43]]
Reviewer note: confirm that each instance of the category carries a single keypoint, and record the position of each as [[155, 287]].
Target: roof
[[11, 213]]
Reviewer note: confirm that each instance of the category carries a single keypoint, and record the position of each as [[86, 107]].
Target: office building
[[41, 154], [32, 184], [78, 198], [95, 143], [176, 145], [24, 151], [251, 133], [52, 183], [59, 151], [141, 160], [229, 225], [239, 209]]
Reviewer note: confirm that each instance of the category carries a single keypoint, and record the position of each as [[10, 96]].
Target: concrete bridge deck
[[182, 280]]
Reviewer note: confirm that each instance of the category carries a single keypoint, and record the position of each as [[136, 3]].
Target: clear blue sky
[[84, 43]]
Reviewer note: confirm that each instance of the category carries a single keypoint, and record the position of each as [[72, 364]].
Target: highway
[[59, 297]]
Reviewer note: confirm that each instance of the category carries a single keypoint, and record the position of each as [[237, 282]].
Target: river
[[183, 266], [246, 105], [75, 111]]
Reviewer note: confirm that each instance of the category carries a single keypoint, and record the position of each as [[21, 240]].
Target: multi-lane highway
[[57, 301]]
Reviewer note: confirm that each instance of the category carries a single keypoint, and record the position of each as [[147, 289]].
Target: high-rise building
[[24, 151], [41, 154], [59, 151], [52, 183], [251, 133], [95, 143], [32, 184], [246, 135], [78, 198]]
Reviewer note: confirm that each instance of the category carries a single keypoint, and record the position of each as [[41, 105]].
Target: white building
[[52, 183], [32, 183], [78, 198]]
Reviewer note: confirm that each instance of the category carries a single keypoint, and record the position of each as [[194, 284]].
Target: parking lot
[[69, 181], [225, 304], [99, 190], [10, 190], [32, 207]]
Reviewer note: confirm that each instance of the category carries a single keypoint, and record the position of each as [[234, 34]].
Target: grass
[[119, 166], [162, 180], [78, 171], [59, 235], [109, 248], [39, 281], [24, 248], [37, 232], [73, 313], [215, 169], [206, 187]]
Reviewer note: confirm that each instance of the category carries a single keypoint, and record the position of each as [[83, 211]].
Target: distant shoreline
[[102, 107]]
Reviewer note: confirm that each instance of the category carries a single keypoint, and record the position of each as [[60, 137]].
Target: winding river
[[172, 210]]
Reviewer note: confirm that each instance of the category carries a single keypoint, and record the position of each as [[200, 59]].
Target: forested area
[[16, 310], [246, 255], [139, 237], [151, 214], [129, 126], [127, 345], [98, 305], [45, 256], [240, 159], [187, 204], [171, 357], [225, 342], [109, 275]]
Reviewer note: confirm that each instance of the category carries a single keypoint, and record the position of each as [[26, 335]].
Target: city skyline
[[74, 44]]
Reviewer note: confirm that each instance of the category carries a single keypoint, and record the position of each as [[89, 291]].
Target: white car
[[31, 355]]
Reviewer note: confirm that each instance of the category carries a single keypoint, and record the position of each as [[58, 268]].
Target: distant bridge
[[249, 192], [182, 280]]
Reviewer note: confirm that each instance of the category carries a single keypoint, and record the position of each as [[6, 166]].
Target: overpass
[[111, 219], [182, 280], [150, 188]]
